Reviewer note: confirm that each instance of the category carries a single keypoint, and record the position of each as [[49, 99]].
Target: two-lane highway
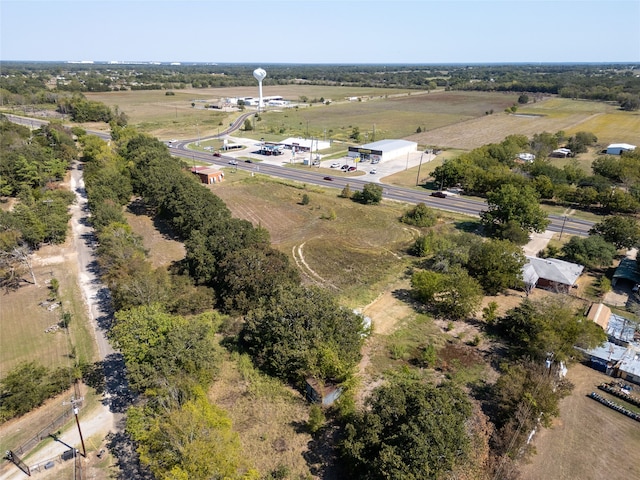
[[455, 204]]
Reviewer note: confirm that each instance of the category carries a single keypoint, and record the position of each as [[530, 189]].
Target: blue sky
[[326, 31]]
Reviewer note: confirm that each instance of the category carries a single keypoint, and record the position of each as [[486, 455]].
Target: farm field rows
[[455, 119]]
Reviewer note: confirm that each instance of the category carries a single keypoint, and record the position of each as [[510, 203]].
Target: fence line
[[52, 427]]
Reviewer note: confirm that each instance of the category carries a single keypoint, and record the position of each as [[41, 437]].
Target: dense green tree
[[542, 144], [430, 243], [28, 385], [496, 264], [581, 141], [509, 203], [592, 251], [192, 440], [623, 232], [536, 329], [526, 394], [420, 216], [630, 103], [248, 276], [609, 167], [410, 430], [618, 200], [454, 294], [159, 348], [302, 331], [371, 194]]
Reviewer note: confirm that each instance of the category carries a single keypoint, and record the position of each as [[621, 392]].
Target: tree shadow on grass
[[123, 449], [469, 226], [160, 223], [322, 455]]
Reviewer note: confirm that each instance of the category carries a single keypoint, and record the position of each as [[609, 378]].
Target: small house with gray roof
[[550, 274]]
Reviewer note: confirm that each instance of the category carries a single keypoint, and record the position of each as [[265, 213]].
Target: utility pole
[[418, 176], [562, 229], [74, 404]]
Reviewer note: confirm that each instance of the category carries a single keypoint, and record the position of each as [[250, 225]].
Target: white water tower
[[259, 74]]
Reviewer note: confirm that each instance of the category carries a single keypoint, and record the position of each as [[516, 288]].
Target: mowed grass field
[[23, 321], [588, 441]]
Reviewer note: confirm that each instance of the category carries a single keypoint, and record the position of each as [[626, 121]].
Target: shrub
[[316, 419]]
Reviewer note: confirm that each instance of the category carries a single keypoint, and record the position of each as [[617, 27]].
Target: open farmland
[[606, 121], [455, 119], [168, 116], [386, 117]]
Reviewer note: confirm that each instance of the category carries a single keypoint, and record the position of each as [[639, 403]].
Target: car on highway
[[335, 165], [216, 154], [439, 194], [328, 179], [351, 169], [248, 160], [233, 162]]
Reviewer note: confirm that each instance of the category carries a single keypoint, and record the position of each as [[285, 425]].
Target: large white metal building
[[618, 148], [383, 150]]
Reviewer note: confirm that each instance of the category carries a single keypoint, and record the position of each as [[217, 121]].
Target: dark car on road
[[439, 194], [216, 154], [329, 179]]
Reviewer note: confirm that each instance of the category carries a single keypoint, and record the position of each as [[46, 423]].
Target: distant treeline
[[607, 82]]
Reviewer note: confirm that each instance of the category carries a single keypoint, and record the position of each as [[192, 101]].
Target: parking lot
[[375, 172]]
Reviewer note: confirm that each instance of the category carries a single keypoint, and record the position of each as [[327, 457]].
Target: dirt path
[[100, 419]]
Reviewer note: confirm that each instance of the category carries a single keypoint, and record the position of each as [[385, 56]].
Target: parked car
[[373, 171], [344, 167], [439, 194], [316, 162], [328, 179], [351, 169], [335, 165], [248, 160], [636, 287]]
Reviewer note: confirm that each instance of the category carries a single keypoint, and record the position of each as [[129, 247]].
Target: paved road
[[565, 224], [467, 206]]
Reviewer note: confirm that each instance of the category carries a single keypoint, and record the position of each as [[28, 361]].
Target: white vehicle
[[233, 162], [335, 165], [373, 172]]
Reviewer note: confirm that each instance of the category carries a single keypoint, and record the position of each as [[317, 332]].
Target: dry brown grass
[[269, 417], [163, 250], [606, 121]]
